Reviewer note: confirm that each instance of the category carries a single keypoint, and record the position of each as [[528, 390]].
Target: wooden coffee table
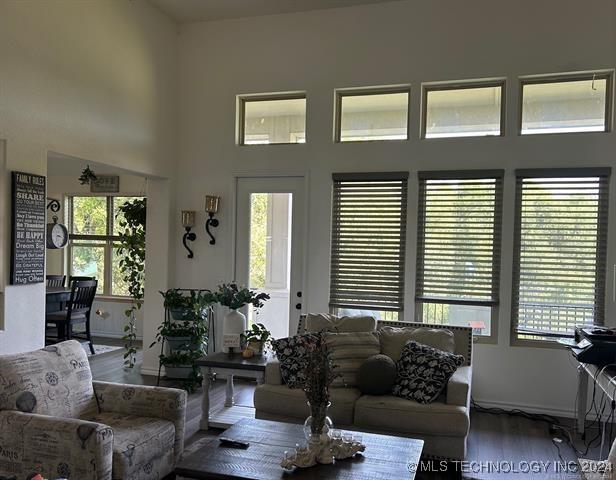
[[386, 457]]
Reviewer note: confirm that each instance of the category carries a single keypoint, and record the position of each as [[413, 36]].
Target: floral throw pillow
[[423, 372], [292, 354]]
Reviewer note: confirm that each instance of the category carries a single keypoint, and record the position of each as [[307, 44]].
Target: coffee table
[[386, 457], [228, 364]]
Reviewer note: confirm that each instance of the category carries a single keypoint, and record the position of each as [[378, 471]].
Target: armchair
[[56, 421]]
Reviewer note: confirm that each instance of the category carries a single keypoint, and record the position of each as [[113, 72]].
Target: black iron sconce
[[211, 208], [188, 222]]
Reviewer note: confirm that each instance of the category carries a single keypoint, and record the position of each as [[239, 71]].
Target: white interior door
[[269, 247]]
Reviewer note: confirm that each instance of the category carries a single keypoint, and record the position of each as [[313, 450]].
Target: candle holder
[[211, 208], [188, 222]]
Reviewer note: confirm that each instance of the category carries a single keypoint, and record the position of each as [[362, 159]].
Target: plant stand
[[189, 381]]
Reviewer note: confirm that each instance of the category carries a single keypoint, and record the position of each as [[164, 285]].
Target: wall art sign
[[28, 232], [105, 184]]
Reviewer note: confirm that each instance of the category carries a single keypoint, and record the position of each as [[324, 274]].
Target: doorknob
[[298, 306]]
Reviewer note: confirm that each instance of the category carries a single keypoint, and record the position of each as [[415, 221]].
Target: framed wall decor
[[28, 228], [105, 184]]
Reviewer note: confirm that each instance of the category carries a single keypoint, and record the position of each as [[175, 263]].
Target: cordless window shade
[[560, 250], [368, 241], [459, 237]]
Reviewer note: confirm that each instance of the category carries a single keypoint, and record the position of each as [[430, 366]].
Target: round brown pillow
[[377, 375]]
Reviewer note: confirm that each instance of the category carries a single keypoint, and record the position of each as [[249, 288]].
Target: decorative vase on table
[[234, 324], [318, 425]]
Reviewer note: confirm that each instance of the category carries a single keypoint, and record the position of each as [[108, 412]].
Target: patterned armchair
[[56, 421]]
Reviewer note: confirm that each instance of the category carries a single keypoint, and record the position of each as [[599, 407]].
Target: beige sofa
[[56, 421], [443, 424]]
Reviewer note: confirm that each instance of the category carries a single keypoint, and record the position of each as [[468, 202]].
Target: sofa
[[443, 424], [56, 421]]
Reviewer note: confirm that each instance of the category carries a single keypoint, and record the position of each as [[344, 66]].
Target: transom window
[[458, 248], [560, 251], [369, 115], [580, 103], [93, 226], [463, 110], [272, 119]]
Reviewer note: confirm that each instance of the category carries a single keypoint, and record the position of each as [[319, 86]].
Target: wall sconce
[[211, 207], [188, 222]]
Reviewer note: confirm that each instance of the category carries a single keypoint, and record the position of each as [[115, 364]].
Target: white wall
[[394, 43], [90, 79]]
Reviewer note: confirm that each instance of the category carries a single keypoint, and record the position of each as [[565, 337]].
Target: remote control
[[229, 442]]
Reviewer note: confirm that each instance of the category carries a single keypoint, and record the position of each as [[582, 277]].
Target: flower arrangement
[[232, 296], [319, 376]]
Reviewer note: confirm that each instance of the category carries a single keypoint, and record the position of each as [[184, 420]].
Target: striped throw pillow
[[348, 351]]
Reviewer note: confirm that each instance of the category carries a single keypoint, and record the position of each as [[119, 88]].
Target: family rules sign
[[28, 240]]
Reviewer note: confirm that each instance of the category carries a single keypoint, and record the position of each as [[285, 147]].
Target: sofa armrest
[[272, 373], [54, 446], [459, 387], [157, 402]]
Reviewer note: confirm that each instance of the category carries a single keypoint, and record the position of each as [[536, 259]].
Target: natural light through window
[[271, 121], [565, 106], [463, 112], [373, 116]]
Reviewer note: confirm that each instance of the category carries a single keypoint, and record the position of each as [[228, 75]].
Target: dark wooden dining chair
[[55, 281], [74, 278], [78, 310]]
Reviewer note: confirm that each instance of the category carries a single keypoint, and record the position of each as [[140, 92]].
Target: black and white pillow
[[292, 354], [423, 372]]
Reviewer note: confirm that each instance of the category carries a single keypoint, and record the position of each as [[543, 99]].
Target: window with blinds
[[368, 243], [458, 247], [560, 251]]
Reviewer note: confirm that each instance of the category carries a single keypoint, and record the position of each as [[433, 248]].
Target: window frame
[[394, 176], [576, 172], [264, 97], [495, 304], [608, 75], [462, 85], [340, 93], [107, 241]]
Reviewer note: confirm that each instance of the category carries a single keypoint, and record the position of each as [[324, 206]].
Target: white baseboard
[[527, 407], [150, 371], [110, 335]]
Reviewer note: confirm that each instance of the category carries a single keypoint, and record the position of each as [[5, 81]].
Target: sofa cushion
[[387, 413], [423, 372], [316, 322], [394, 339], [286, 402], [142, 446], [292, 354], [348, 351], [377, 375], [54, 381]]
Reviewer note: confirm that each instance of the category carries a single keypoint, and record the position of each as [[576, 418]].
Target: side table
[[229, 364]]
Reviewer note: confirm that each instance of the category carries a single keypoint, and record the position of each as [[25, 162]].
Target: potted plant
[[234, 297], [189, 306], [180, 365], [257, 337]]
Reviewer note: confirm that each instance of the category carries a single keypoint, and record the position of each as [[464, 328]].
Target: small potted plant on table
[[257, 337]]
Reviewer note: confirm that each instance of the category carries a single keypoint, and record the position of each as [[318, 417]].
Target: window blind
[[560, 250], [459, 237], [368, 241]]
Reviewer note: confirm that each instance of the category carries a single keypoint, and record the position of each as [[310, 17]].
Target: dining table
[[56, 298]]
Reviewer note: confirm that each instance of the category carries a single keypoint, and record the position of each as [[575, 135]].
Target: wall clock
[[57, 234]]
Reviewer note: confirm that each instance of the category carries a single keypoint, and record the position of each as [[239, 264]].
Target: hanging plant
[[131, 216], [87, 176]]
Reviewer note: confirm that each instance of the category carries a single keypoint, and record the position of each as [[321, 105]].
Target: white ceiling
[[187, 11]]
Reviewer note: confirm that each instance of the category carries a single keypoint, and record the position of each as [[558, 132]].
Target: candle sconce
[[211, 208], [188, 222]]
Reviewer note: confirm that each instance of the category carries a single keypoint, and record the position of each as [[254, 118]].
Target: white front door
[[269, 247]]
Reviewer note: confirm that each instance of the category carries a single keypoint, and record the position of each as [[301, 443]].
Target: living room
[[163, 89]]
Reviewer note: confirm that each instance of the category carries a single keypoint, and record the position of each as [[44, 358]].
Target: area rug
[[101, 349]]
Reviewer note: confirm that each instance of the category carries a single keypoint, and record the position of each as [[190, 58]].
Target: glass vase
[[318, 424]]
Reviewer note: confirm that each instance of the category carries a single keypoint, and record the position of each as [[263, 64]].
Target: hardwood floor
[[495, 441]]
